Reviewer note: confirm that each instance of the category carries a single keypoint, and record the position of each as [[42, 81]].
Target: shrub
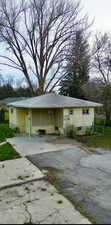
[[6, 132], [16, 130], [70, 132], [88, 131], [75, 132]]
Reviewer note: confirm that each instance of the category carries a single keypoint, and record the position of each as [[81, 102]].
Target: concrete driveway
[[85, 176], [26, 197], [26, 145]]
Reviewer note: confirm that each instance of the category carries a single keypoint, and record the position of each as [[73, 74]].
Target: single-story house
[[51, 113]]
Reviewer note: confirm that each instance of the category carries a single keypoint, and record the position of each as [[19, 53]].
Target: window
[[85, 111], [71, 112]]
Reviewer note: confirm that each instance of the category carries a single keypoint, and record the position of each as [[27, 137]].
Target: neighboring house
[[4, 102], [4, 115], [51, 113]]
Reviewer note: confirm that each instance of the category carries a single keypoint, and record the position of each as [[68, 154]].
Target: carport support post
[[30, 123]]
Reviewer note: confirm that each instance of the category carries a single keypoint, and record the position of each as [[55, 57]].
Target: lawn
[[99, 121], [7, 152], [101, 139]]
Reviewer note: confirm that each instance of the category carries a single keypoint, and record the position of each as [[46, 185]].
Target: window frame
[[71, 111], [86, 111]]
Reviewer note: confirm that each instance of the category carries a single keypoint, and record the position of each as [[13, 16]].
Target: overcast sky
[[99, 10]]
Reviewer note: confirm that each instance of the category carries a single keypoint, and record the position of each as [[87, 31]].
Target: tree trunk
[[41, 87], [108, 121], [29, 83]]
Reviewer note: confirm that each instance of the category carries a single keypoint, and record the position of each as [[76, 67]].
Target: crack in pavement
[[96, 168], [29, 214], [30, 221], [55, 212], [103, 171]]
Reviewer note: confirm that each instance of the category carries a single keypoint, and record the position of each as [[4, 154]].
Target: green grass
[[106, 131], [7, 152], [100, 121], [101, 139], [96, 141]]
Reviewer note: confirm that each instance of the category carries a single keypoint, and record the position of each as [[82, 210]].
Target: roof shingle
[[53, 100]]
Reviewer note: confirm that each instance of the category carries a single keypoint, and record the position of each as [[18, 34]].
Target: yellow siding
[[21, 119], [78, 119], [48, 119], [59, 120], [17, 118]]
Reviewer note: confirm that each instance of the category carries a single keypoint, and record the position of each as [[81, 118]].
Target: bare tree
[[102, 65], [37, 34], [93, 90], [102, 57]]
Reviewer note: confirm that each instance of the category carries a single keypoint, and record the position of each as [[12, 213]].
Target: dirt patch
[[64, 140]]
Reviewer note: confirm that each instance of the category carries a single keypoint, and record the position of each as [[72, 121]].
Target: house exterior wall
[[12, 117], [59, 120], [21, 119], [78, 119], [17, 118], [31, 120]]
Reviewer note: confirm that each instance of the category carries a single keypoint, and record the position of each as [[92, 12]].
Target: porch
[[48, 121]]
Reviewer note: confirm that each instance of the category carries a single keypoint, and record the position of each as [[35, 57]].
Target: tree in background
[[36, 34], [93, 90], [107, 103], [6, 91], [101, 63], [77, 67], [11, 88]]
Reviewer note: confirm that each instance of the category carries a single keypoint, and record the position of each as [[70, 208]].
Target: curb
[[5, 142]]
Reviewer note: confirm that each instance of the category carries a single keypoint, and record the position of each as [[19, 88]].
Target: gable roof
[[52, 100]]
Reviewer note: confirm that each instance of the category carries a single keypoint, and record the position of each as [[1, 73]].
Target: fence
[[102, 129]]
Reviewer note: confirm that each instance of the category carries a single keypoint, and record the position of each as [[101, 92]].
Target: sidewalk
[[18, 171], [32, 202]]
